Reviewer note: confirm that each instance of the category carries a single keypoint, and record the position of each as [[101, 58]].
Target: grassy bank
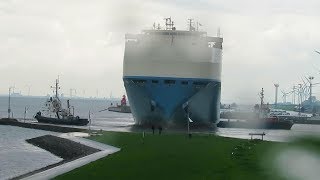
[[174, 156]]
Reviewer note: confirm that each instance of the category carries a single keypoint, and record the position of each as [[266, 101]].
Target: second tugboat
[[263, 119], [56, 114]]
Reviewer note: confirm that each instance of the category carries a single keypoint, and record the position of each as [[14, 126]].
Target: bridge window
[[155, 81], [199, 84], [169, 82], [139, 81], [184, 82]]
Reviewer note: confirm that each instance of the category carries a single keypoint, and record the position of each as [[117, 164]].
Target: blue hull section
[[162, 101]]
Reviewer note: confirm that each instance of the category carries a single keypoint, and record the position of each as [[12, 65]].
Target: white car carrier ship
[[171, 76]]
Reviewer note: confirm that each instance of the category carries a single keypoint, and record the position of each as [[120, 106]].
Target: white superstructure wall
[[180, 56]]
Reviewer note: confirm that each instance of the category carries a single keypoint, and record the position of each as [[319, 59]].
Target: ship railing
[[132, 37], [215, 39], [136, 37]]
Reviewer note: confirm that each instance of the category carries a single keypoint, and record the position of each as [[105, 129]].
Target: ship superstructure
[[170, 75]]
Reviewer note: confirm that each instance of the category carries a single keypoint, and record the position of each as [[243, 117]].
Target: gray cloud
[[83, 41]]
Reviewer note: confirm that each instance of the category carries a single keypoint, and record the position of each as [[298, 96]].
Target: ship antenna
[[218, 32], [191, 28], [198, 25], [56, 88], [169, 23], [261, 96]]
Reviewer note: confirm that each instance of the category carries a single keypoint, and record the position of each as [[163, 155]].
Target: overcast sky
[[82, 41]]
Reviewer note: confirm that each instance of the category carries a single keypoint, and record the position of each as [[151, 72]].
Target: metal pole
[[9, 108], [310, 97], [300, 98], [89, 122], [276, 94], [57, 87], [25, 112], [188, 125]]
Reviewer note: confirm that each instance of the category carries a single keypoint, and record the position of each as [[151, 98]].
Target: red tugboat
[[263, 119], [123, 108]]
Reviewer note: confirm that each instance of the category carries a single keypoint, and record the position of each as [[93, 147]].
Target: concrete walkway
[[69, 166]]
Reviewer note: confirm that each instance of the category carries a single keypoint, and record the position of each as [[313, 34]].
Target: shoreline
[[75, 151], [45, 127], [61, 147]]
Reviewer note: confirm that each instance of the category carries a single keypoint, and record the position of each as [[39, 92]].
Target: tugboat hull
[[69, 121], [120, 109]]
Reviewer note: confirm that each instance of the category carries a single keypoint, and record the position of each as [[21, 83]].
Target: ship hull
[[73, 121], [120, 109], [172, 76], [169, 101]]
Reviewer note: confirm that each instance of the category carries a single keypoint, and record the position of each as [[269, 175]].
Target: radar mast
[[190, 22], [56, 88], [169, 24]]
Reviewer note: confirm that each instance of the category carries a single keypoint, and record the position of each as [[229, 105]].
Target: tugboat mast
[[56, 87], [57, 103]]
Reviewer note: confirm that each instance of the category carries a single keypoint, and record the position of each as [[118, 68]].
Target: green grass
[[174, 156]]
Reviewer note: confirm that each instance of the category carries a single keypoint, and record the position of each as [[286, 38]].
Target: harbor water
[[16, 155], [112, 121], [101, 118]]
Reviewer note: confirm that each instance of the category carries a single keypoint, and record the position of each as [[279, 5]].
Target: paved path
[[58, 170]]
